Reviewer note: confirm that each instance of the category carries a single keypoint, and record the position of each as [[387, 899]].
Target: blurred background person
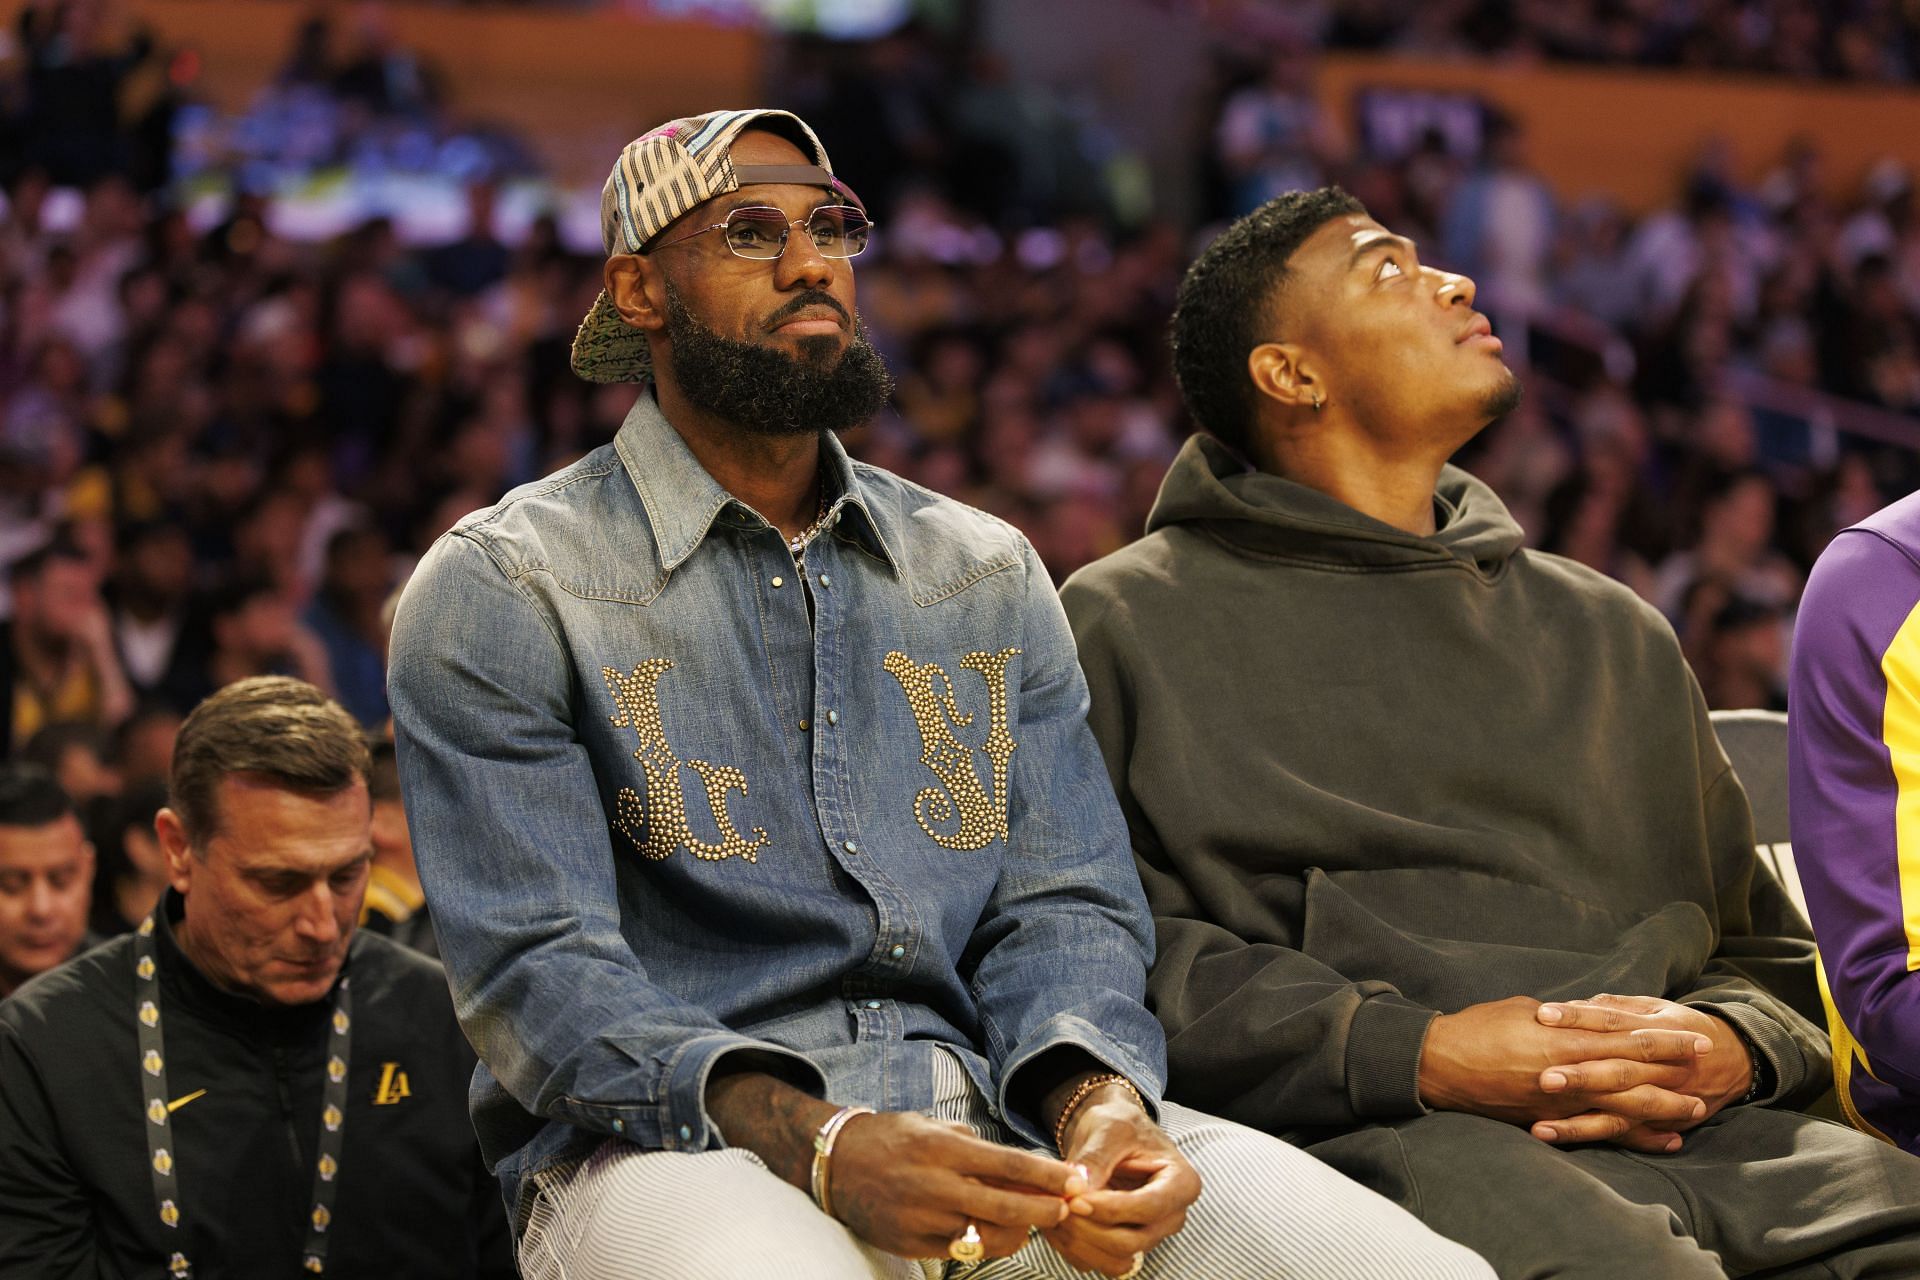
[[131, 868], [57, 661], [46, 876], [396, 905]]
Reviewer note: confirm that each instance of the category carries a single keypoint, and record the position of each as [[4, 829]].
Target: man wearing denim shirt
[[751, 787]]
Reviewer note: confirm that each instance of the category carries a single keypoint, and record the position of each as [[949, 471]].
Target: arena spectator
[[76, 64], [265, 1028], [56, 653], [1742, 659], [1871, 41], [477, 260], [1425, 817], [1733, 546], [46, 876], [159, 627], [143, 746], [130, 870], [256, 632], [1851, 756], [78, 755], [1499, 226], [1590, 263], [347, 617], [396, 905], [382, 76], [1272, 137]]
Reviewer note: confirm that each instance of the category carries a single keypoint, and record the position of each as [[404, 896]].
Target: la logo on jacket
[[392, 1087]]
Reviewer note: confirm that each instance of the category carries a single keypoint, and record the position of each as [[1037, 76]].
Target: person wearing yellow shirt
[[57, 662]]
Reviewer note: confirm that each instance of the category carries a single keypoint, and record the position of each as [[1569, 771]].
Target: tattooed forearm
[[770, 1118]]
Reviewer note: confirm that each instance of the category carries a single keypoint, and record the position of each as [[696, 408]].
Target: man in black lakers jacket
[[244, 1086]]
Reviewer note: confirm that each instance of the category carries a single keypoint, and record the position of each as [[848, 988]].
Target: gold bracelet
[[823, 1151], [1079, 1095]]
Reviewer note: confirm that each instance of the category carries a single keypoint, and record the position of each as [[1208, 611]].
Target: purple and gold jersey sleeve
[[1854, 735]]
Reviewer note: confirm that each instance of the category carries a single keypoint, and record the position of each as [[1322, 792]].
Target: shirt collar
[[682, 501]]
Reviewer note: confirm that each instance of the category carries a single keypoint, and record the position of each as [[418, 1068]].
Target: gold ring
[[1139, 1261], [967, 1246]]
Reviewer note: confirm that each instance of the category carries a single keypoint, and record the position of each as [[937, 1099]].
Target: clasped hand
[[1633, 1070], [909, 1185]]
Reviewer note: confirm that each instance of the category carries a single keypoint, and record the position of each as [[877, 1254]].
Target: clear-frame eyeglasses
[[760, 231]]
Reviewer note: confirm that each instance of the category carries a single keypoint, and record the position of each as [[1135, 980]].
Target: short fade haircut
[[1227, 302], [29, 796], [274, 728]]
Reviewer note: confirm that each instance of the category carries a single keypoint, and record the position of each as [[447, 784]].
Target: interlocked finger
[[1593, 1126], [1609, 1014], [1654, 1105], [1611, 1075], [1632, 1004], [1607, 1126], [1642, 1044], [1658, 1044]]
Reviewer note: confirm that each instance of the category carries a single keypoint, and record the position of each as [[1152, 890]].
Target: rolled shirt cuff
[[1067, 1031], [679, 1121]]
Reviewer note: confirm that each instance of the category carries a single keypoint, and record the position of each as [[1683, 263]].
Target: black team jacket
[[76, 1197]]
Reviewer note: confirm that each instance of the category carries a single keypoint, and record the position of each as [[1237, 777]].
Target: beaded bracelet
[[823, 1151], [1756, 1085], [1079, 1095]]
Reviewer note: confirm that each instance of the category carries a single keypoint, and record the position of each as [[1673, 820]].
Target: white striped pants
[[1268, 1212]]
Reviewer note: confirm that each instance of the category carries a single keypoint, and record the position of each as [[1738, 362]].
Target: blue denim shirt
[[661, 818]]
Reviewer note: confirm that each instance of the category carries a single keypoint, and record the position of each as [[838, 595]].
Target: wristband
[[1080, 1094], [823, 1151], [1756, 1086]]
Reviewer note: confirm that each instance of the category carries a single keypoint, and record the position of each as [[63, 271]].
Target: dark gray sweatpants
[[1754, 1192]]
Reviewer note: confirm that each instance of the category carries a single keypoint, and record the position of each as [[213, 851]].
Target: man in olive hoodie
[[1451, 879]]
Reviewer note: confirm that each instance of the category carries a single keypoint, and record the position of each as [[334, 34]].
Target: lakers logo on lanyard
[[163, 1158]]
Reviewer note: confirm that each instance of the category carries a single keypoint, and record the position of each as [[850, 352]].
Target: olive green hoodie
[[1373, 777]]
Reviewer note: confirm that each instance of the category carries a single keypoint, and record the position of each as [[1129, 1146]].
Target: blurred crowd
[[87, 91], [221, 450], [1876, 41]]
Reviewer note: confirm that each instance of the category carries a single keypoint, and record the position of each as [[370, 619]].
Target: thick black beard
[[1503, 399], [767, 392]]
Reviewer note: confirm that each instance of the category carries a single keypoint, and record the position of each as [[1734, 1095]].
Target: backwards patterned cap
[[660, 176]]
